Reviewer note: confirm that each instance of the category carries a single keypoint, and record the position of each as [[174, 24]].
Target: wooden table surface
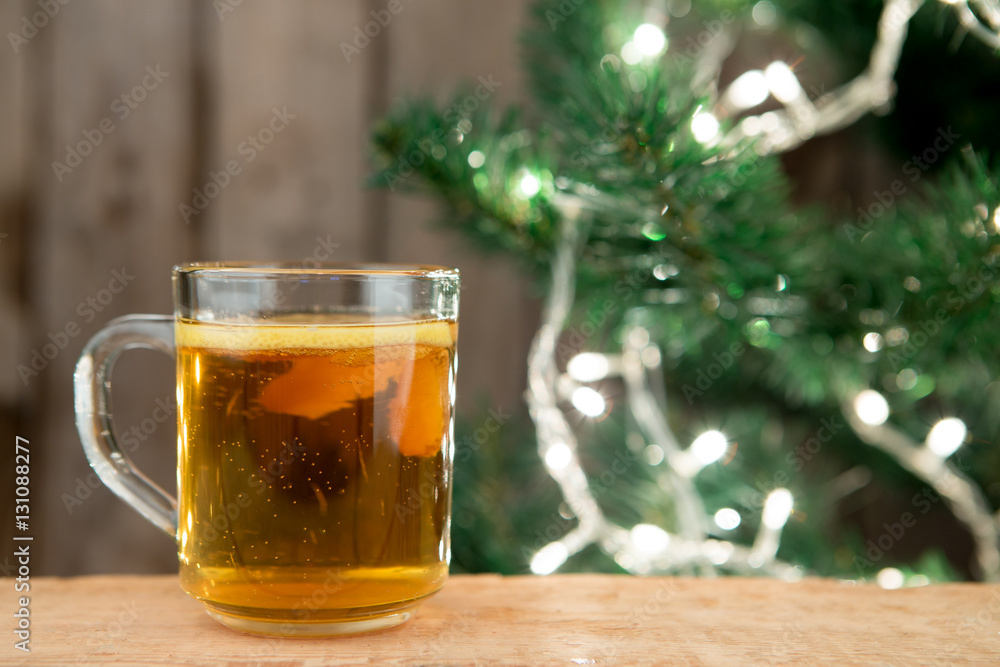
[[564, 619]]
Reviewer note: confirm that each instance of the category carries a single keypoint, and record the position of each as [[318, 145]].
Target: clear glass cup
[[314, 442]]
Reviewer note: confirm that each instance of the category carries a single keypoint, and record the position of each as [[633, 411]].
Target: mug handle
[[92, 389]]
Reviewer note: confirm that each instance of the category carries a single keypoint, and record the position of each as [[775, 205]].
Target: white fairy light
[[907, 379], [631, 53], [529, 185], [871, 407], [653, 454], [588, 401], [558, 456], [750, 126], [777, 508], [705, 127], [588, 367], [709, 447], [649, 540], [747, 90], [947, 436], [764, 13], [890, 578], [727, 518], [650, 40], [548, 559], [872, 341], [476, 159], [782, 82], [638, 336], [770, 122]]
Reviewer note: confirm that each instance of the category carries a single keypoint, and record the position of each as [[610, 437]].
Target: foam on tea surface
[[326, 332]]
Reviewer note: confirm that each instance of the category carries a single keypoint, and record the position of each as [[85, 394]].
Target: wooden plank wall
[[209, 75]]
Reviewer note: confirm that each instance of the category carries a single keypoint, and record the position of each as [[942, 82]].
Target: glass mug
[[314, 446]]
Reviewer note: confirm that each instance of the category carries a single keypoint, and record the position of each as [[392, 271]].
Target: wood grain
[[300, 185], [14, 73], [114, 210], [567, 619]]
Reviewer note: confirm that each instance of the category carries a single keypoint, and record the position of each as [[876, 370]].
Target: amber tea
[[314, 438], [314, 466]]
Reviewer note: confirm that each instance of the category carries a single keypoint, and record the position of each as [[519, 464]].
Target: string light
[[588, 401], [649, 540], [988, 34], [709, 447], [946, 436], [890, 578], [777, 508], [727, 518], [959, 493], [650, 40], [871, 407], [871, 90], [872, 341], [646, 547], [706, 449], [907, 379], [588, 367], [782, 83], [631, 53], [764, 13], [704, 127], [529, 185], [476, 159], [747, 90], [800, 120], [558, 456], [654, 455], [549, 558]]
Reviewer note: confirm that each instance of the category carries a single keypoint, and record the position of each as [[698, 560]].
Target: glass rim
[[249, 270]]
